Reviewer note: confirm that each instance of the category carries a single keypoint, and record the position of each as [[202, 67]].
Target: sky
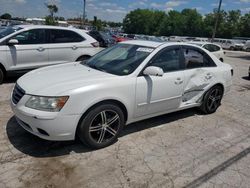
[[113, 10]]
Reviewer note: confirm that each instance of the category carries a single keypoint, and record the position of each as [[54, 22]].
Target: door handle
[[40, 49], [178, 81], [74, 47]]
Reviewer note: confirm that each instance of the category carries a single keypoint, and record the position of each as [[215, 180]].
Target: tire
[[248, 49], [1, 76], [101, 126], [221, 59], [82, 58], [231, 48], [212, 100]]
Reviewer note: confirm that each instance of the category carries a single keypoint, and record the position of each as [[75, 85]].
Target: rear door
[[65, 46], [156, 94], [200, 74], [31, 50]]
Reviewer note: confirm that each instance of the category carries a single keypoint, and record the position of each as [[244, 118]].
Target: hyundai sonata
[[128, 82]]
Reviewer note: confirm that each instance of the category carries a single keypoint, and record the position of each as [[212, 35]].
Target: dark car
[[104, 39]]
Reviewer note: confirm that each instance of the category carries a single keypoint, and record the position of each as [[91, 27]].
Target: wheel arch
[[86, 55], [106, 101], [217, 84], [3, 68]]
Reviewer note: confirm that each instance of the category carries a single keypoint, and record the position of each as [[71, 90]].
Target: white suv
[[26, 47]]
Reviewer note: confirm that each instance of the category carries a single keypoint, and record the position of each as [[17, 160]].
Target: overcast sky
[[113, 10]]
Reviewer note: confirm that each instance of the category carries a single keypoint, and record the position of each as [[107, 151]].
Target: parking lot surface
[[183, 149]]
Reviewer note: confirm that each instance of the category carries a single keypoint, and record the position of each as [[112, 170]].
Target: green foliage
[[188, 22], [50, 21], [6, 16], [97, 23]]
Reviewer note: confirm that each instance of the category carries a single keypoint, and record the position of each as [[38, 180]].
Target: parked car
[[131, 81], [214, 48], [119, 38], [104, 39], [232, 45], [27, 47], [247, 46]]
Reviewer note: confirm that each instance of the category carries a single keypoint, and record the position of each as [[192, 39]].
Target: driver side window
[[35, 36], [168, 60]]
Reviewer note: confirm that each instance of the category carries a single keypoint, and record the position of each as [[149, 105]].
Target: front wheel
[[101, 126], [212, 100]]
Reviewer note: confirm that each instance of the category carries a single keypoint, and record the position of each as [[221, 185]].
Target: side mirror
[[153, 71], [13, 42]]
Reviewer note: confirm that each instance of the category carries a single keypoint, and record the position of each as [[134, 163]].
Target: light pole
[[84, 12], [217, 20]]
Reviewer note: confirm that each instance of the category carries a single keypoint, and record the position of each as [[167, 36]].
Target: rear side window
[[64, 36], [34, 36], [194, 58], [211, 47]]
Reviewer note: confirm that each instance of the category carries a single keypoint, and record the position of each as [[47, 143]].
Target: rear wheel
[[1, 76], [212, 100], [231, 48], [101, 126]]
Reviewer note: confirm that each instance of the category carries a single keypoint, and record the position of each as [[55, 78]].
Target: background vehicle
[[211, 47], [128, 82], [104, 39], [247, 46], [27, 47], [232, 45]]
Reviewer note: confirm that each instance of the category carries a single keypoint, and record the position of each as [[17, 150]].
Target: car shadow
[[246, 78], [244, 56], [12, 79], [34, 146]]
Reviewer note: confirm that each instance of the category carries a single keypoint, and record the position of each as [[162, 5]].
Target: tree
[[245, 25], [188, 22], [6, 16], [143, 21], [52, 9], [49, 20]]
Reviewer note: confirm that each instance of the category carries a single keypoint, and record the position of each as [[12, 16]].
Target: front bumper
[[46, 125]]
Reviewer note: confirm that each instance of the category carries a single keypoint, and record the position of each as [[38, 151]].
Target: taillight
[[232, 72], [95, 44]]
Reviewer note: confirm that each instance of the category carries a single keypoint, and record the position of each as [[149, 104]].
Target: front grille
[[17, 94]]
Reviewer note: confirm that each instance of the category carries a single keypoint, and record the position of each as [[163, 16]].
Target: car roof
[[154, 44], [202, 43], [46, 27], [151, 44]]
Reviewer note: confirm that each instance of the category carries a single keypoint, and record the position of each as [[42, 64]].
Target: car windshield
[[121, 59], [9, 30]]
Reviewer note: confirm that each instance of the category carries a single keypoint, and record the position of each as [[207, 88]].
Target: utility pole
[[84, 12], [217, 20]]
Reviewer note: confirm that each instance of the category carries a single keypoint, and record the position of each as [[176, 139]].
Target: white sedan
[[215, 49], [131, 81]]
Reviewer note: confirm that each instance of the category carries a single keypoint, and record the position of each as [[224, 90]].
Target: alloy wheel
[[214, 99], [104, 126]]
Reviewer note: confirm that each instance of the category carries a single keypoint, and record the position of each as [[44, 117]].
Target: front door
[[156, 94], [30, 52]]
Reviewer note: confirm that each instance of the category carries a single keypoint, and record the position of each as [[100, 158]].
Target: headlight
[[50, 104]]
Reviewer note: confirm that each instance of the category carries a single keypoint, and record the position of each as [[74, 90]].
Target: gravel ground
[[183, 149]]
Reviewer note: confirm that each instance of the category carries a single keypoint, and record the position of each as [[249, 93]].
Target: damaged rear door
[[199, 74]]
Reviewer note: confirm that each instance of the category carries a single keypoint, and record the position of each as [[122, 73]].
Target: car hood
[[60, 79]]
